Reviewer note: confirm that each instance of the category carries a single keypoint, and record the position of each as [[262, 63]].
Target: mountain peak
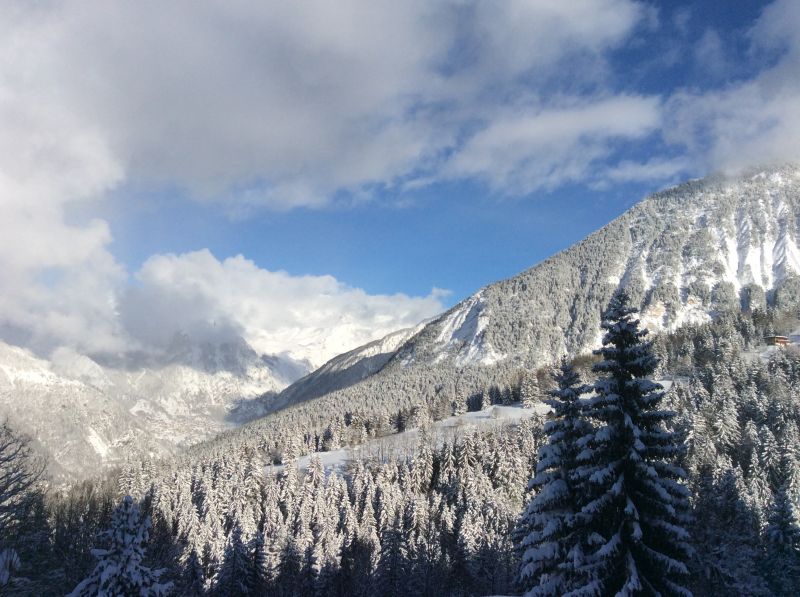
[[684, 254]]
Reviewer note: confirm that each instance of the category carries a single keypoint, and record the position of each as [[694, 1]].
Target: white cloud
[[655, 169], [755, 121], [709, 53], [532, 149], [285, 103], [57, 277], [312, 317]]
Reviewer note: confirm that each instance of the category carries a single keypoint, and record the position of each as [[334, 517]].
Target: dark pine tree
[[237, 575], [637, 507], [783, 545], [553, 543]]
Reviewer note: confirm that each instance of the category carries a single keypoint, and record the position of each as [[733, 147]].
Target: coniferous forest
[[379, 298], [624, 487]]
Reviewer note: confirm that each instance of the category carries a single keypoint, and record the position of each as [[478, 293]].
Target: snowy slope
[[344, 370], [683, 254], [87, 414], [403, 444]]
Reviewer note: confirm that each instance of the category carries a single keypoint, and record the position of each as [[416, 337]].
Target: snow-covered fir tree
[[120, 571], [529, 392], [783, 543], [237, 574], [637, 507], [555, 541]]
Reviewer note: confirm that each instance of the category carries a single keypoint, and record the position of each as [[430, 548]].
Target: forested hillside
[[440, 518], [683, 255]]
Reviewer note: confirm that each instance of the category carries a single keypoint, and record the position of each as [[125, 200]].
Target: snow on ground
[[97, 442], [403, 443], [765, 353], [400, 444]]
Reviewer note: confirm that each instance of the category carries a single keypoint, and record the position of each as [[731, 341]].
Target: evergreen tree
[[269, 546], [637, 507], [393, 564], [555, 541], [726, 558], [529, 392], [120, 571], [422, 465], [191, 580], [783, 545], [237, 574]]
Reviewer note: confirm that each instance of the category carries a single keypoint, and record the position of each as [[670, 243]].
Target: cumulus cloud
[[310, 317], [57, 277]]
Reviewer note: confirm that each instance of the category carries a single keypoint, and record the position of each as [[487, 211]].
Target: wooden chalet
[[777, 340]]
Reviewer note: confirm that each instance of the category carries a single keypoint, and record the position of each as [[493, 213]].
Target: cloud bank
[[310, 317], [285, 104]]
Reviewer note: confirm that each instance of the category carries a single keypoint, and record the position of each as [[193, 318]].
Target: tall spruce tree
[[637, 507], [237, 574], [529, 392], [554, 543]]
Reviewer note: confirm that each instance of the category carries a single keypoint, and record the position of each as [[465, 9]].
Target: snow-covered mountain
[[87, 413], [345, 370], [683, 254]]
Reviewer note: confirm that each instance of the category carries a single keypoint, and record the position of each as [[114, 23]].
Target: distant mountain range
[[87, 413], [344, 370]]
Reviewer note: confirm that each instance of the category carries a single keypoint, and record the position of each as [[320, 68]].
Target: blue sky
[[311, 174], [456, 235]]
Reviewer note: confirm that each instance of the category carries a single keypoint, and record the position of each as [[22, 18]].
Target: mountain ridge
[[344, 370], [684, 254], [649, 269]]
